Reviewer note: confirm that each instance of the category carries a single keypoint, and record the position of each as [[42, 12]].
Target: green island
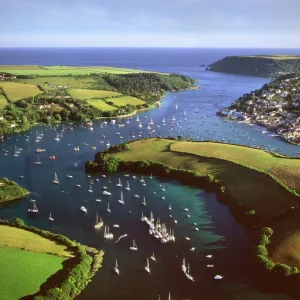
[[270, 66], [45, 94], [10, 190], [261, 188], [41, 265]]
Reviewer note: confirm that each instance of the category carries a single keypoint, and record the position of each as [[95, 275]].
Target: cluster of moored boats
[[159, 230]]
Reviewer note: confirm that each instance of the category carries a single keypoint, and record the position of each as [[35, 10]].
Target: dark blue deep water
[[219, 233]]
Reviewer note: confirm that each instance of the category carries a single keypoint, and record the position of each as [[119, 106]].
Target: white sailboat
[[119, 183], [147, 268], [56, 181], [57, 137], [151, 176], [144, 201], [183, 267], [121, 200], [50, 217], [163, 188], [90, 189], [153, 257], [83, 209], [106, 193], [151, 122], [188, 275], [140, 125], [108, 144], [163, 120], [137, 119], [38, 162], [34, 209], [116, 269], [134, 246], [127, 188], [142, 179], [99, 222], [107, 234], [170, 208], [108, 208]]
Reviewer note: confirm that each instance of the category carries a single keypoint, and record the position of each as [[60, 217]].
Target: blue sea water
[[219, 234]]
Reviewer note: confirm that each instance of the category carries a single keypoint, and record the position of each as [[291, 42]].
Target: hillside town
[[275, 106]]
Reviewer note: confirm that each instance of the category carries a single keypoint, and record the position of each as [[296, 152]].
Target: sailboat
[[173, 118], [116, 269], [187, 274], [50, 217], [108, 144], [176, 106], [151, 122], [34, 209], [90, 189], [119, 183], [170, 208], [163, 188], [183, 267], [137, 119], [121, 200], [151, 176], [147, 268], [57, 137], [163, 120], [99, 222], [107, 234], [108, 208], [140, 125], [144, 201], [38, 162], [153, 257], [134, 246], [142, 179], [127, 187], [56, 181]]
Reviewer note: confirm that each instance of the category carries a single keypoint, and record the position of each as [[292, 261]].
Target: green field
[[244, 185], [70, 82], [124, 100], [63, 70], [101, 104], [3, 100], [27, 261], [87, 94], [284, 169], [23, 272], [277, 57], [16, 91], [18, 238]]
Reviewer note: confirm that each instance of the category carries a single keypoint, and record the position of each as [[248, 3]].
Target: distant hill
[[270, 66]]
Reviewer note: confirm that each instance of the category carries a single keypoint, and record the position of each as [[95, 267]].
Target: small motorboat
[[83, 209]]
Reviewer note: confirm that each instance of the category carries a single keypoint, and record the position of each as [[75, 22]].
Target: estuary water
[[219, 234]]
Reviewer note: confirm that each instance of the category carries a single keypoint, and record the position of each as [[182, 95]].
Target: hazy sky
[[156, 23]]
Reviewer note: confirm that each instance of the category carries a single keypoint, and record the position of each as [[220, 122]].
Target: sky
[[150, 23]]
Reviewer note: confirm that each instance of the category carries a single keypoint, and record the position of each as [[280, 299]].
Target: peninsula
[[10, 190], [261, 188], [40, 94], [275, 106], [270, 66]]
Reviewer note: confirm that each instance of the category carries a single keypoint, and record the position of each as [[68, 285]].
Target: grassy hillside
[[126, 100], [101, 104], [87, 94], [16, 91], [259, 65], [18, 238], [27, 261], [246, 186], [23, 272], [45, 71]]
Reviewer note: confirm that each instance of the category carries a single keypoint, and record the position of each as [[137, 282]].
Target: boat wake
[[122, 236]]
